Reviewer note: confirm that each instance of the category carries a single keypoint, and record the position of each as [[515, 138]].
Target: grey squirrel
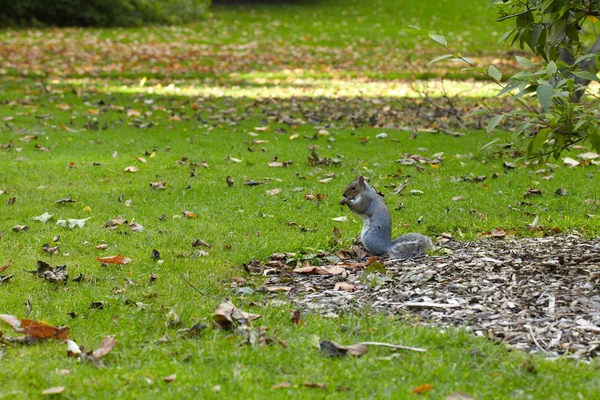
[[377, 230]]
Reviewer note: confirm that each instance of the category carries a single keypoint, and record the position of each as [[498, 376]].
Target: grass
[[74, 138]]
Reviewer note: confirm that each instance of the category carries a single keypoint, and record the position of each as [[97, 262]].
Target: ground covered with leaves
[[537, 295], [145, 169]]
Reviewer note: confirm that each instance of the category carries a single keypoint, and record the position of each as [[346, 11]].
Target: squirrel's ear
[[361, 180]]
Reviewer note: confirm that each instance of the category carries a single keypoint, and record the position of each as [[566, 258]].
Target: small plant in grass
[[552, 89]]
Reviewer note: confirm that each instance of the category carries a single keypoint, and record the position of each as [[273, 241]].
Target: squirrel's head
[[354, 188]]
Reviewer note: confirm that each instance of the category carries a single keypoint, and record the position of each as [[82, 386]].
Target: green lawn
[[73, 134]]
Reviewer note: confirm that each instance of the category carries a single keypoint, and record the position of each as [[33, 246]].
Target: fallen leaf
[[19, 228], [570, 162], [5, 267], [275, 164], [170, 378], [282, 385], [315, 385], [457, 198], [333, 349], [134, 226], [200, 243], [311, 271], [497, 232], [106, 346], [65, 200], [296, 318], [72, 223], [102, 246], [228, 316], [426, 387], [54, 390], [588, 156], [340, 219], [113, 223], [158, 185], [35, 329], [43, 218], [273, 192], [118, 259], [131, 169], [189, 214], [345, 286]]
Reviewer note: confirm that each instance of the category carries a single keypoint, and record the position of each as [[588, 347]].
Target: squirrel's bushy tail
[[410, 245]]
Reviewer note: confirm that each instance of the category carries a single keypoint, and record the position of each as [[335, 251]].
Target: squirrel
[[377, 230]]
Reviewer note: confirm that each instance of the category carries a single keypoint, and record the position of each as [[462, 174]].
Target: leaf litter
[[536, 295]]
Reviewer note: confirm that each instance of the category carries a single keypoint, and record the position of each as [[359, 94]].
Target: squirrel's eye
[[353, 188]]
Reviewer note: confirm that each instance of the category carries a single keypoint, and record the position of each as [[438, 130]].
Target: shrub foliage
[[101, 12]]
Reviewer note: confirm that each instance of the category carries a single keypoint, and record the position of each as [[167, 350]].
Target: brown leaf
[[200, 243], [228, 316], [315, 385], [497, 232], [345, 286], [157, 185], [118, 259], [296, 318], [131, 169], [189, 214], [106, 346], [333, 349], [170, 378], [113, 223], [42, 331], [5, 267], [426, 387], [282, 385], [102, 246], [311, 271], [19, 228]]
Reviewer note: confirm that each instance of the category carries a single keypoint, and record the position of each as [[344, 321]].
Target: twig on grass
[[394, 346]]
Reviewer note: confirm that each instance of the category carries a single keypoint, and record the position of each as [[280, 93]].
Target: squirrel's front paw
[[343, 202]]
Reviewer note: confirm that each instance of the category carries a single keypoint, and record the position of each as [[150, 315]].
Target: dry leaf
[[113, 223], [426, 387], [5, 267], [273, 192], [170, 378], [228, 316], [35, 329], [19, 228], [497, 232], [54, 390], [131, 169], [65, 200], [134, 226], [118, 259], [189, 214], [570, 162], [345, 286], [333, 349], [158, 185], [311, 271], [200, 243], [315, 385], [275, 164], [43, 218], [102, 246], [296, 318], [282, 385], [106, 346]]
